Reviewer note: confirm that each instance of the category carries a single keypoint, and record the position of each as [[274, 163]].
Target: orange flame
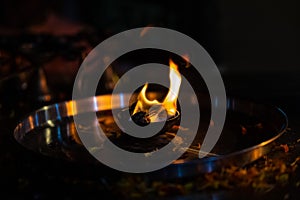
[[169, 103]]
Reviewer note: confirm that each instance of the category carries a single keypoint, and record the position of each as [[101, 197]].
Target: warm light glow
[[145, 30], [169, 103], [143, 103], [187, 59], [175, 80], [71, 108]]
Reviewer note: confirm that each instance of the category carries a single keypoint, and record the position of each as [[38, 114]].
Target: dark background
[[254, 43]]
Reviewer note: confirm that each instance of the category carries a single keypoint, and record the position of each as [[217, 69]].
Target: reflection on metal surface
[[36, 133], [72, 133], [48, 137]]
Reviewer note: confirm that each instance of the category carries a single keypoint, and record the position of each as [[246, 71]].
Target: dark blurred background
[[254, 43]]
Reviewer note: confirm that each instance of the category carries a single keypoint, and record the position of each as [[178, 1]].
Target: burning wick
[[146, 111]]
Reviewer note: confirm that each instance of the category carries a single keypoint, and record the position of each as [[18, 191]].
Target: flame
[[169, 103], [143, 103]]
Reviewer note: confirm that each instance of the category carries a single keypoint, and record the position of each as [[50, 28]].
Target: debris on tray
[[285, 147], [244, 130], [258, 125], [272, 171]]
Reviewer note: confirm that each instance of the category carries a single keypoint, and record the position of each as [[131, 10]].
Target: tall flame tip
[[169, 103]]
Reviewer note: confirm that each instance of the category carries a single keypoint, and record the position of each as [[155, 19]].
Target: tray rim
[[41, 118]]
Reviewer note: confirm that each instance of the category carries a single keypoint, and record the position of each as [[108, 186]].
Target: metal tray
[[249, 133]]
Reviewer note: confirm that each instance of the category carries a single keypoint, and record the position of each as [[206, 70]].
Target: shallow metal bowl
[[249, 133]]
